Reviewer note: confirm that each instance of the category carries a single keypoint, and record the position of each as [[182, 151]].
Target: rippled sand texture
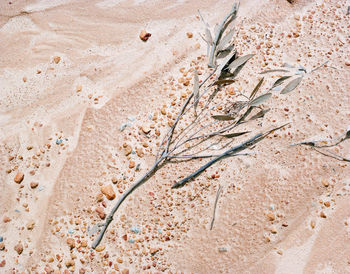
[[73, 72]]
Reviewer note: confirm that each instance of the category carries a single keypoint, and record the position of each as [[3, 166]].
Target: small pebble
[[108, 192], [30, 225], [144, 35], [135, 229], [19, 177], [57, 59], [33, 185], [18, 248], [100, 248]]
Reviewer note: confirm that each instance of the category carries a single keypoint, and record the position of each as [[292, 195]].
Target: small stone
[[69, 263], [2, 263], [125, 271], [6, 219], [127, 150], [84, 243], [99, 197], [323, 215], [222, 249], [71, 243], [347, 63], [327, 204], [135, 229], [271, 216], [101, 213], [18, 248], [144, 35], [33, 185], [79, 88], [57, 59], [131, 164], [30, 225], [139, 152], [100, 248], [29, 147], [1, 239], [48, 270], [273, 230], [154, 251], [312, 224], [279, 252], [19, 177], [114, 180], [269, 44], [189, 34], [2, 246], [146, 129], [325, 183], [120, 260], [108, 192]]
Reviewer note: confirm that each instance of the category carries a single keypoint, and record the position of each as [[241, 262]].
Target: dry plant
[[323, 146], [199, 131]]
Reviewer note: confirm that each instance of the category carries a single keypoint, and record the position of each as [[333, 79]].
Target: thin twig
[[215, 204]]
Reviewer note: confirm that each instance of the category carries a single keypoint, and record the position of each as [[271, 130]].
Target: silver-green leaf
[[291, 85], [223, 117], [261, 99], [240, 61]]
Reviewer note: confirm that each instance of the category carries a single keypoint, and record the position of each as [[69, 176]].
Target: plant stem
[[141, 181]]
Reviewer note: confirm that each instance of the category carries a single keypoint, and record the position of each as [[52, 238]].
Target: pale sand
[[99, 50]]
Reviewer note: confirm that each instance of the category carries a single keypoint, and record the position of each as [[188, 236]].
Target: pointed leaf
[[208, 36], [223, 53], [227, 38], [236, 134], [261, 99], [291, 85], [260, 114], [226, 62], [280, 81], [255, 90], [196, 91], [240, 61], [223, 117], [274, 70], [224, 82]]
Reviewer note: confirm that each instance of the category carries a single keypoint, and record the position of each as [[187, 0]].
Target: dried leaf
[[223, 53], [208, 36], [291, 85], [255, 90], [261, 99], [274, 70], [226, 62], [280, 81], [224, 82], [236, 134], [227, 38], [196, 91], [260, 114], [240, 61], [223, 117]]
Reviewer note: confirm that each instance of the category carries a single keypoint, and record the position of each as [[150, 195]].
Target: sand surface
[[74, 73]]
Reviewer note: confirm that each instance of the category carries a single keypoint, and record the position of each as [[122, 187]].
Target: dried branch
[[198, 129], [215, 205], [320, 146]]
